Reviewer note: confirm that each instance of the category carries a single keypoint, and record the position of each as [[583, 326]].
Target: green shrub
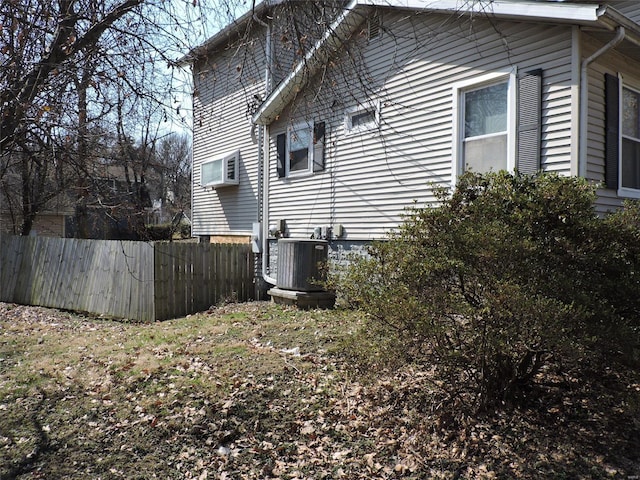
[[167, 231], [509, 272], [159, 232], [183, 230]]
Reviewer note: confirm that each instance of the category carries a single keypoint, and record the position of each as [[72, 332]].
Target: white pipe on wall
[[584, 99], [264, 145]]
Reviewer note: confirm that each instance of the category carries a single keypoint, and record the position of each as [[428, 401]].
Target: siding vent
[[374, 26]]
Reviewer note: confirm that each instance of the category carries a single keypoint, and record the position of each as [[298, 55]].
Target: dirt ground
[[257, 391]]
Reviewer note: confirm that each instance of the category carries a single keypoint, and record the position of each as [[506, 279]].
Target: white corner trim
[[576, 63]]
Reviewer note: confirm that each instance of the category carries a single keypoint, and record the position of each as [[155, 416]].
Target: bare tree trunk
[[81, 213]]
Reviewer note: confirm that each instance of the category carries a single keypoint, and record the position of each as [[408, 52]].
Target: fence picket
[[121, 279]]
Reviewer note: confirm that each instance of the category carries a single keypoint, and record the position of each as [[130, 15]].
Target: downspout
[[584, 99], [265, 206], [263, 172], [330, 42]]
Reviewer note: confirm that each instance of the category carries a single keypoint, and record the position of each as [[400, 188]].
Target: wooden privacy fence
[[135, 280]]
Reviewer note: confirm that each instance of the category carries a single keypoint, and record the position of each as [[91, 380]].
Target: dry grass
[[258, 391]]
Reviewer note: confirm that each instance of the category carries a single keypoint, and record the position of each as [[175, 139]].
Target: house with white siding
[[316, 120]]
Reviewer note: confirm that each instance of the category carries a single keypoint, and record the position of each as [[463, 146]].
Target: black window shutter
[[612, 129], [281, 143], [318, 146], [529, 121]]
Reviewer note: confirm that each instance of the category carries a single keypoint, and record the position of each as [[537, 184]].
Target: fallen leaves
[[253, 392]]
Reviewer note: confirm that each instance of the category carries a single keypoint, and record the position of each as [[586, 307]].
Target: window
[[630, 142], [622, 137], [485, 128], [361, 118], [485, 124], [301, 150]]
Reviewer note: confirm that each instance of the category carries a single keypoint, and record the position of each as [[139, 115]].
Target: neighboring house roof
[[601, 17]]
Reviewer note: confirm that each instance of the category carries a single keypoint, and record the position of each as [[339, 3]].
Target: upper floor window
[[301, 149], [362, 118]]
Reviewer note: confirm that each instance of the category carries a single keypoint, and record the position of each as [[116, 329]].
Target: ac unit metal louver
[[300, 264]]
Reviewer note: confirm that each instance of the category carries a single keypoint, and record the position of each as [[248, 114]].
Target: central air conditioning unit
[[221, 172], [300, 264]]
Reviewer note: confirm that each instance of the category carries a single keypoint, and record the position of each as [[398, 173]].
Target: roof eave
[[223, 36], [611, 19], [582, 14], [578, 13], [335, 36]]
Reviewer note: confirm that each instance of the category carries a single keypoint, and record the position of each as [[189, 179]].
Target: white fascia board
[[533, 10], [332, 40], [521, 9]]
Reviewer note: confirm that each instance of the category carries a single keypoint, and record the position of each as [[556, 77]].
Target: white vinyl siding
[[370, 178], [295, 26], [223, 89]]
